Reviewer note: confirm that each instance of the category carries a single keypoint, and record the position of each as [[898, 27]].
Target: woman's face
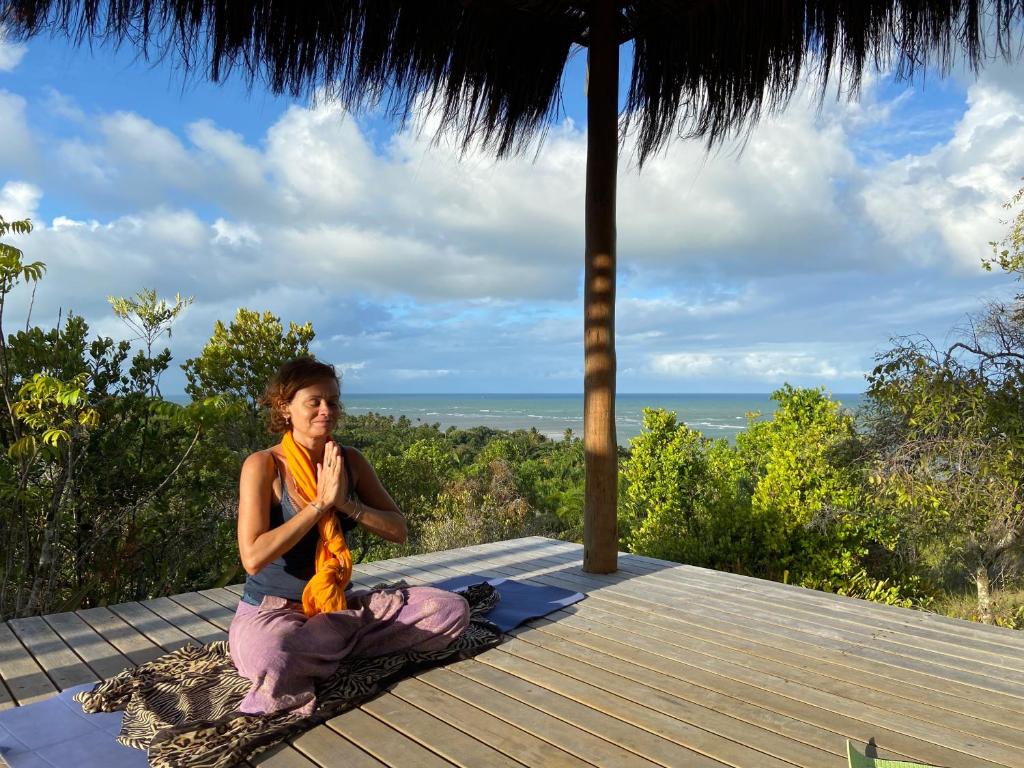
[[314, 410]]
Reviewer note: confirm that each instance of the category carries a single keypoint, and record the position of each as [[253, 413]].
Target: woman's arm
[[376, 510], [258, 543]]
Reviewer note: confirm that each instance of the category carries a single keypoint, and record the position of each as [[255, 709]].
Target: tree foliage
[[681, 496], [947, 446], [240, 357]]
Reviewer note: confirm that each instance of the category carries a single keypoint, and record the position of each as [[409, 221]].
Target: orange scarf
[[325, 592]]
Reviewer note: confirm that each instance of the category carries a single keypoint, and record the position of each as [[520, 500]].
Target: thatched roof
[[703, 68]]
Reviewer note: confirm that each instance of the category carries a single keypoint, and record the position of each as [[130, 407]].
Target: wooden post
[[600, 530]]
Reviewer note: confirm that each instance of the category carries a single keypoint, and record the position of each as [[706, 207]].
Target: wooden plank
[[470, 558], [62, 665], [362, 576], [854, 614], [948, 624], [508, 553], [384, 743], [894, 681], [438, 736], [328, 748], [205, 608], [133, 644], [778, 591], [283, 756], [794, 719], [426, 568], [898, 638], [743, 702], [553, 733], [507, 566], [523, 550], [380, 572], [384, 572], [576, 585], [876, 682], [640, 741], [683, 733], [485, 728], [103, 658], [827, 671], [678, 708], [819, 727], [811, 600], [199, 629], [786, 683], [941, 699], [433, 561], [843, 652], [22, 675], [225, 597], [154, 627], [815, 602]]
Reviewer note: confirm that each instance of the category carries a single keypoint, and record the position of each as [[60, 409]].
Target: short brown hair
[[290, 378]]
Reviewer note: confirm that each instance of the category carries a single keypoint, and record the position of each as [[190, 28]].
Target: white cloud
[[235, 235], [17, 147], [321, 161], [421, 373], [148, 150], [350, 370], [684, 364], [11, 53], [61, 105], [19, 200], [944, 206], [784, 363], [420, 265]]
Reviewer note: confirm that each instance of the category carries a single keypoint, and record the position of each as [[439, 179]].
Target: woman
[[297, 500]]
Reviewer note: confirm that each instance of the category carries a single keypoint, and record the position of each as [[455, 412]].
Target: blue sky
[[797, 259]]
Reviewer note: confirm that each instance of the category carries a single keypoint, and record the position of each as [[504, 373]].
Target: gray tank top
[[287, 576]]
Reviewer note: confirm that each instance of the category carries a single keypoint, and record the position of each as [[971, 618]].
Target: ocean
[[715, 415]]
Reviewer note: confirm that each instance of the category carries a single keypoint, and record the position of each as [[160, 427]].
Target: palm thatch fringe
[[493, 68]]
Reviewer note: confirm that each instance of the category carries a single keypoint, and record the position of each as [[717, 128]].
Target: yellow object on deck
[[857, 760]]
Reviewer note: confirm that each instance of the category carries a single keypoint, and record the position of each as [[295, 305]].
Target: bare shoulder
[[259, 464], [358, 463]]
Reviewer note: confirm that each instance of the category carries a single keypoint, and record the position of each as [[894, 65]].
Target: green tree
[[240, 358], [149, 318], [683, 498], [13, 270], [947, 439], [947, 445], [805, 486], [1008, 253], [102, 485], [233, 370], [414, 477], [481, 507]]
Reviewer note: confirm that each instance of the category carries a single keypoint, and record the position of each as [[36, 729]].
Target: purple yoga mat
[[55, 733]]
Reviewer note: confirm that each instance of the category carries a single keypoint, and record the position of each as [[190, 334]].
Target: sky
[[793, 257]]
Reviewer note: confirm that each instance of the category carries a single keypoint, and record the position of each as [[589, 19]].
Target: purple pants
[[284, 653]]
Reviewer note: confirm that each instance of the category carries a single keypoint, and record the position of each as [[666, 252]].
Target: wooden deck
[[662, 664]]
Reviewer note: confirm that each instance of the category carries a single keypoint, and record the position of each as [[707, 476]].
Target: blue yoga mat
[[55, 733], [518, 602]]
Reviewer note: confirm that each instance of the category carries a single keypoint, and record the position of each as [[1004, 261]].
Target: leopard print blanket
[[183, 706]]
